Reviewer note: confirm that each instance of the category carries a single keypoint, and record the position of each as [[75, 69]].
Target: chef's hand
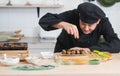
[[86, 50], [70, 28]]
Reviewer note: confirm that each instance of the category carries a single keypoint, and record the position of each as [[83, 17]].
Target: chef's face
[[88, 28]]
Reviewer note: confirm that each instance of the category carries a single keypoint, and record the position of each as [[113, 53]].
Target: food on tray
[[81, 57], [71, 59], [104, 55], [101, 54], [94, 61], [13, 46], [73, 52]]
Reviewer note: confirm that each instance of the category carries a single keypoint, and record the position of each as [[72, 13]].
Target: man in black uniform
[[82, 29]]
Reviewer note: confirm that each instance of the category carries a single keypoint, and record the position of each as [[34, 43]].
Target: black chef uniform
[[88, 13]]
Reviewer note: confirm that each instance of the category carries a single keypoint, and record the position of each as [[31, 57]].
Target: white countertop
[[109, 68]]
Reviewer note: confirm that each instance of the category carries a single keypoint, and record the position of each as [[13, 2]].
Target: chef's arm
[[49, 20], [55, 21]]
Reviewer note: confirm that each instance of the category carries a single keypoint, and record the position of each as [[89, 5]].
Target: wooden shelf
[[35, 5], [38, 6]]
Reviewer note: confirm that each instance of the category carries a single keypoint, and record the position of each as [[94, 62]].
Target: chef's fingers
[[87, 50], [71, 29], [67, 28], [75, 32], [75, 48]]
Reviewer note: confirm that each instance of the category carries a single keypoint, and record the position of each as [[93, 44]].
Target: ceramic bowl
[[10, 61], [47, 55], [33, 59]]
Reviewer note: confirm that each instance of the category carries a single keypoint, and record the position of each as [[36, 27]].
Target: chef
[[82, 29]]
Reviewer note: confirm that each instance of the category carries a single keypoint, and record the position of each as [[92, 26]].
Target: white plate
[[33, 59], [47, 54]]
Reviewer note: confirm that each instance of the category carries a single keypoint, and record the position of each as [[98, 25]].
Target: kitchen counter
[[109, 68]]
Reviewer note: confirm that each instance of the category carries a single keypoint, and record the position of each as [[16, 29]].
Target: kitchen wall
[[26, 18], [113, 13]]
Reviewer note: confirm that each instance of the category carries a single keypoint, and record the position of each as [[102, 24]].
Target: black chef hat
[[90, 13]]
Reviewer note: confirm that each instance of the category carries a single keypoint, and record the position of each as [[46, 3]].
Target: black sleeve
[[50, 19], [112, 42]]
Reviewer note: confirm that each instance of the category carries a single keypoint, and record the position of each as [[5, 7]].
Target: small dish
[[10, 61], [47, 55], [33, 59]]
